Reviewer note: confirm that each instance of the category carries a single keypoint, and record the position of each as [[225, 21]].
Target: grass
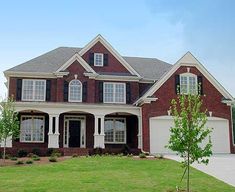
[[104, 174]]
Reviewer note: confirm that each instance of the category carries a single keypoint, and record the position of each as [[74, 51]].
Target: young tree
[[190, 131], [9, 125]]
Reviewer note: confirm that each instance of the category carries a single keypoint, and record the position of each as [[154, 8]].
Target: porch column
[[99, 136], [53, 138], [139, 132]]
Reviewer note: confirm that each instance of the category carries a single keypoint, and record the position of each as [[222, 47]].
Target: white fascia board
[[28, 74], [75, 57], [109, 47]]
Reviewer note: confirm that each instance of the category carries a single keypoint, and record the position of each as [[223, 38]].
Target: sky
[[163, 29]]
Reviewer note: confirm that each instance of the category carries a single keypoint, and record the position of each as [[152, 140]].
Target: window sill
[[31, 141]]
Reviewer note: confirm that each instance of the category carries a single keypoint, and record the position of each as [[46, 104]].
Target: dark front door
[[74, 133]]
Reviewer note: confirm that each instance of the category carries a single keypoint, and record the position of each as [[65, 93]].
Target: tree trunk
[[188, 174], [4, 151]]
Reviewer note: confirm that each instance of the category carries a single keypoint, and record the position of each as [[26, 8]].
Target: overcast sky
[[161, 28]]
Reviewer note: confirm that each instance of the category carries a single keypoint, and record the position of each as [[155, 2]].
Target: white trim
[[34, 80], [32, 116], [106, 44], [114, 130], [76, 57], [82, 120], [187, 60], [233, 134], [28, 74], [69, 99], [102, 59], [114, 92]]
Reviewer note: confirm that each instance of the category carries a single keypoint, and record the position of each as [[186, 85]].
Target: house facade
[[78, 99]]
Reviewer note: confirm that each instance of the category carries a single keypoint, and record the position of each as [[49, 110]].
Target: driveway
[[220, 166]]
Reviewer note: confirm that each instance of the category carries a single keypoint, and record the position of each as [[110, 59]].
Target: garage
[[160, 134]]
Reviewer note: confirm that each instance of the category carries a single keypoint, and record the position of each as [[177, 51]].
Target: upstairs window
[[188, 84], [98, 59], [75, 91], [33, 90], [114, 92]]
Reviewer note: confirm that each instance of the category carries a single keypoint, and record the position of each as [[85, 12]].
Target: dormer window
[[99, 59], [188, 83]]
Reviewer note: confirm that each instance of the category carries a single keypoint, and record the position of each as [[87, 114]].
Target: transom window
[[33, 90], [75, 91], [114, 92], [32, 128], [188, 83], [98, 59], [115, 130]]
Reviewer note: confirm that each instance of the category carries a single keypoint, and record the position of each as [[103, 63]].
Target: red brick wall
[[212, 101], [113, 64]]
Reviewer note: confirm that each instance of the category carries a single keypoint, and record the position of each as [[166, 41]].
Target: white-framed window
[[115, 130], [33, 90], [32, 128], [114, 92], [75, 91], [188, 83], [98, 59]]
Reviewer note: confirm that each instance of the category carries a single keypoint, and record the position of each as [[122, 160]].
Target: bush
[[1, 155], [22, 153], [29, 162], [97, 151], [49, 151], [159, 156], [36, 158], [126, 150], [53, 159], [36, 151], [142, 155], [130, 155], [56, 154], [75, 155], [20, 162], [30, 155], [7, 156], [14, 158]]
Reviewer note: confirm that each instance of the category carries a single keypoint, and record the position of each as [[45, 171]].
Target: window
[[33, 90], [115, 130], [32, 128], [114, 92], [188, 83], [75, 91], [98, 59]]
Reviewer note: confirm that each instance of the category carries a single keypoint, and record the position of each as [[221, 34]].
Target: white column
[[139, 132], [99, 137], [53, 138]]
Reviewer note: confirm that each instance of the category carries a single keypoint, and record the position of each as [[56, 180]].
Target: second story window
[[114, 92], [188, 83], [98, 59], [75, 91], [33, 90]]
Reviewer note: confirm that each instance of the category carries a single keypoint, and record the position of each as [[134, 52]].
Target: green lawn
[[104, 174]]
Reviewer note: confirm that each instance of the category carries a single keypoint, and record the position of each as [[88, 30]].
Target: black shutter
[[48, 90], [200, 85], [18, 89], [84, 91], [66, 90], [100, 92], [91, 58], [177, 84], [106, 59], [128, 93]]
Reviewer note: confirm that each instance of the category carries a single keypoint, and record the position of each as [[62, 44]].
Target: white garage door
[[160, 134]]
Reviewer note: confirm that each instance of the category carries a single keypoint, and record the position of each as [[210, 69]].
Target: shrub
[[142, 155], [14, 158], [0, 155], [36, 151], [36, 158], [75, 155], [126, 149], [29, 162], [53, 159], [56, 154], [130, 155], [22, 153], [7, 156], [20, 162], [159, 156], [49, 151], [97, 151], [30, 155]]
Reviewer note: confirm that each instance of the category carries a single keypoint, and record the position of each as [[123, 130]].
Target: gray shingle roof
[[49, 62]]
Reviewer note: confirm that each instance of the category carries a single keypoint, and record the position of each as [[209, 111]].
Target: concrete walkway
[[220, 166]]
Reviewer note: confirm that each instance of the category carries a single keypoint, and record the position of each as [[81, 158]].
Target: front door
[[74, 133]]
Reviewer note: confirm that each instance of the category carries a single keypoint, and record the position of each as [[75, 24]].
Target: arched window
[[75, 91], [188, 83]]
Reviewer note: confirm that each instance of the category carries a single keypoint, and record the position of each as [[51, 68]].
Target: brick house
[[77, 99]]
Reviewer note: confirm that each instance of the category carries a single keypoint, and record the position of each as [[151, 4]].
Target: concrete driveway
[[220, 166]]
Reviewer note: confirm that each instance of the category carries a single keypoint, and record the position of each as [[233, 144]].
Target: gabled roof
[[187, 60], [109, 47]]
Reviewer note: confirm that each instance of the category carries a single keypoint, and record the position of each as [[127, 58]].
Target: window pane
[[108, 92], [119, 93], [108, 130], [183, 84], [39, 90], [98, 59], [26, 126], [192, 85], [27, 90], [119, 130], [38, 127], [75, 90]]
